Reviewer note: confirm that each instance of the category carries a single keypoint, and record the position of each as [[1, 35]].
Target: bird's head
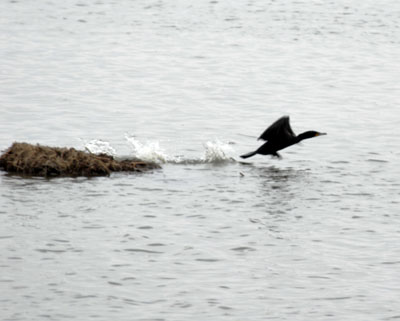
[[309, 134], [318, 133]]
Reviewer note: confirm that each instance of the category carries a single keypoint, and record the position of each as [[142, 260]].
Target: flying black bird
[[279, 136]]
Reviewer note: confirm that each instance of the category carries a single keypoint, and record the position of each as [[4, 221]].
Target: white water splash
[[150, 151], [97, 146], [217, 152], [214, 151]]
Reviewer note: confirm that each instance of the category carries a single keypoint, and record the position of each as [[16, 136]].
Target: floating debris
[[45, 161]]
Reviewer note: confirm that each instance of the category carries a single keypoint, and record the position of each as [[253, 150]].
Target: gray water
[[191, 85]]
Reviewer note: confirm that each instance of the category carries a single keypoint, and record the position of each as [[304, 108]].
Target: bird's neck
[[303, 136]]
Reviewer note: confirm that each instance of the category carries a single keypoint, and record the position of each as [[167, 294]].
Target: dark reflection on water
[[280, 176], [277, 197], [280, 187]]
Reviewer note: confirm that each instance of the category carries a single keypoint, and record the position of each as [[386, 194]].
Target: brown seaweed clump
[[37, 160]]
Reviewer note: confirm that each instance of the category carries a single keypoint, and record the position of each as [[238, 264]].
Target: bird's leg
[[277, 155]]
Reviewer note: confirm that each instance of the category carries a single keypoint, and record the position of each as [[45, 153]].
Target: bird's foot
[[277, 155]]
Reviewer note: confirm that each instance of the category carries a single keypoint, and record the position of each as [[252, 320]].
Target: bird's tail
[[248, 154]]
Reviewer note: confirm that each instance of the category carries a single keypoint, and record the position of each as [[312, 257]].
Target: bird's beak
[[320, 134]]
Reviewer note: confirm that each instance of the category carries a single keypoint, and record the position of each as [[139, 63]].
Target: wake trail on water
[[215, 152]]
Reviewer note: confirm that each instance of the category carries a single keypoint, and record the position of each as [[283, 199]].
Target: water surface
[[192, 85]]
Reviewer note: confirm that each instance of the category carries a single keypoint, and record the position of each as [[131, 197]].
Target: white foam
[[217, 152], [97, 146], [214, 151], [149, 151]]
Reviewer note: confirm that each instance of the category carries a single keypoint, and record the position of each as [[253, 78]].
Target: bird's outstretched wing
[[280, 130]]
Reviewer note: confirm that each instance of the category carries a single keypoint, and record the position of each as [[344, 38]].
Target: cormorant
[[279, 136]]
